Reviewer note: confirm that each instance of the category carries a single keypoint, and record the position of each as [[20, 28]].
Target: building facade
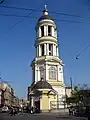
[[6, 94], [47, 90]]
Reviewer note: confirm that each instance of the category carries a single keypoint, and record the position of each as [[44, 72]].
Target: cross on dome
[[45, 10], [45, 7]]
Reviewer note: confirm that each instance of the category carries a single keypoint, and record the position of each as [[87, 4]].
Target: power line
[[77, 57], [20, 16], [19, 8], [20, 20]]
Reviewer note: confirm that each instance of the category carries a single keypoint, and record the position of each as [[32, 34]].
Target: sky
[[17, 38]]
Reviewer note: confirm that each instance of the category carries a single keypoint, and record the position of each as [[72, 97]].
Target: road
[[37, 117]]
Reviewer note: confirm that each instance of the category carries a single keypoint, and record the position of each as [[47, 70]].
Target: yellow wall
[[45, 102]]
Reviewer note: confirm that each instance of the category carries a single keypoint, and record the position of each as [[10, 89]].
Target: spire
[[45, 11]]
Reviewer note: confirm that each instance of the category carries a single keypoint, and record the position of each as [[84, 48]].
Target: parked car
[[5, 109]]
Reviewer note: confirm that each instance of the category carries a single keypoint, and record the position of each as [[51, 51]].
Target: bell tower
[[47, 66], [46, 36]]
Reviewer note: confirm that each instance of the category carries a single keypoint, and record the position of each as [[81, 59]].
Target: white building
[[47, 67]]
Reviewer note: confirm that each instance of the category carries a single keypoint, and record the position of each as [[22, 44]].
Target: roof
[[42, 85], [45, 17]]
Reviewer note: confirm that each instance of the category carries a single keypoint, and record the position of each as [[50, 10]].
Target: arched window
[[42, 73], [52, 73]]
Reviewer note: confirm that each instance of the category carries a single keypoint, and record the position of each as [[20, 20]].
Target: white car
[[5, 109]]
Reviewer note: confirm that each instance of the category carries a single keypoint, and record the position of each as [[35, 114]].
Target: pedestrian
[[32, 110], [11, 112]]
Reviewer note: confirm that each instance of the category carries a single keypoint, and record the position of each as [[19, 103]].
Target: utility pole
[[71, 84]]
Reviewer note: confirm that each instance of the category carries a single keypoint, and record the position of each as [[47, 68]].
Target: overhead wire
[[25, 16], [20, 20], [80, 53], [20, 8]]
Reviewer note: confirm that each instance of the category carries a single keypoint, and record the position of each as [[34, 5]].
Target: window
[[42, 31], [49, 30], [41, 73], [42, 50], [50, 49], [52, 73]]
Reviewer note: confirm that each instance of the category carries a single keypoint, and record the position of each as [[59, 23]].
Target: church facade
[[47, 90]]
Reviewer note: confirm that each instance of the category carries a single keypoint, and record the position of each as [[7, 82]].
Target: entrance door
[[37, 106]]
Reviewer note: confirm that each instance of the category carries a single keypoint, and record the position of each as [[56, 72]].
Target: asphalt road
[[38, 117]]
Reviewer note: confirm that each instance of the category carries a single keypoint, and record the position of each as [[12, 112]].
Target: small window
[[42, 73], [42, 49], [49, 30], [52, 73], [42, 31]]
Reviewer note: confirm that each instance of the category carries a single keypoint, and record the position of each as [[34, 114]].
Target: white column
[[55, 33], [47, 49], [32, 102], [39, 31], [36, 78], [54, 50], [45, 30], [44, 49], [40, 103], [58, 73], [39, 50], [52, 31], [57, 51]]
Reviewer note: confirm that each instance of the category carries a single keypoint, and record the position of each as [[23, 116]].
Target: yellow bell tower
[[47, 88]]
